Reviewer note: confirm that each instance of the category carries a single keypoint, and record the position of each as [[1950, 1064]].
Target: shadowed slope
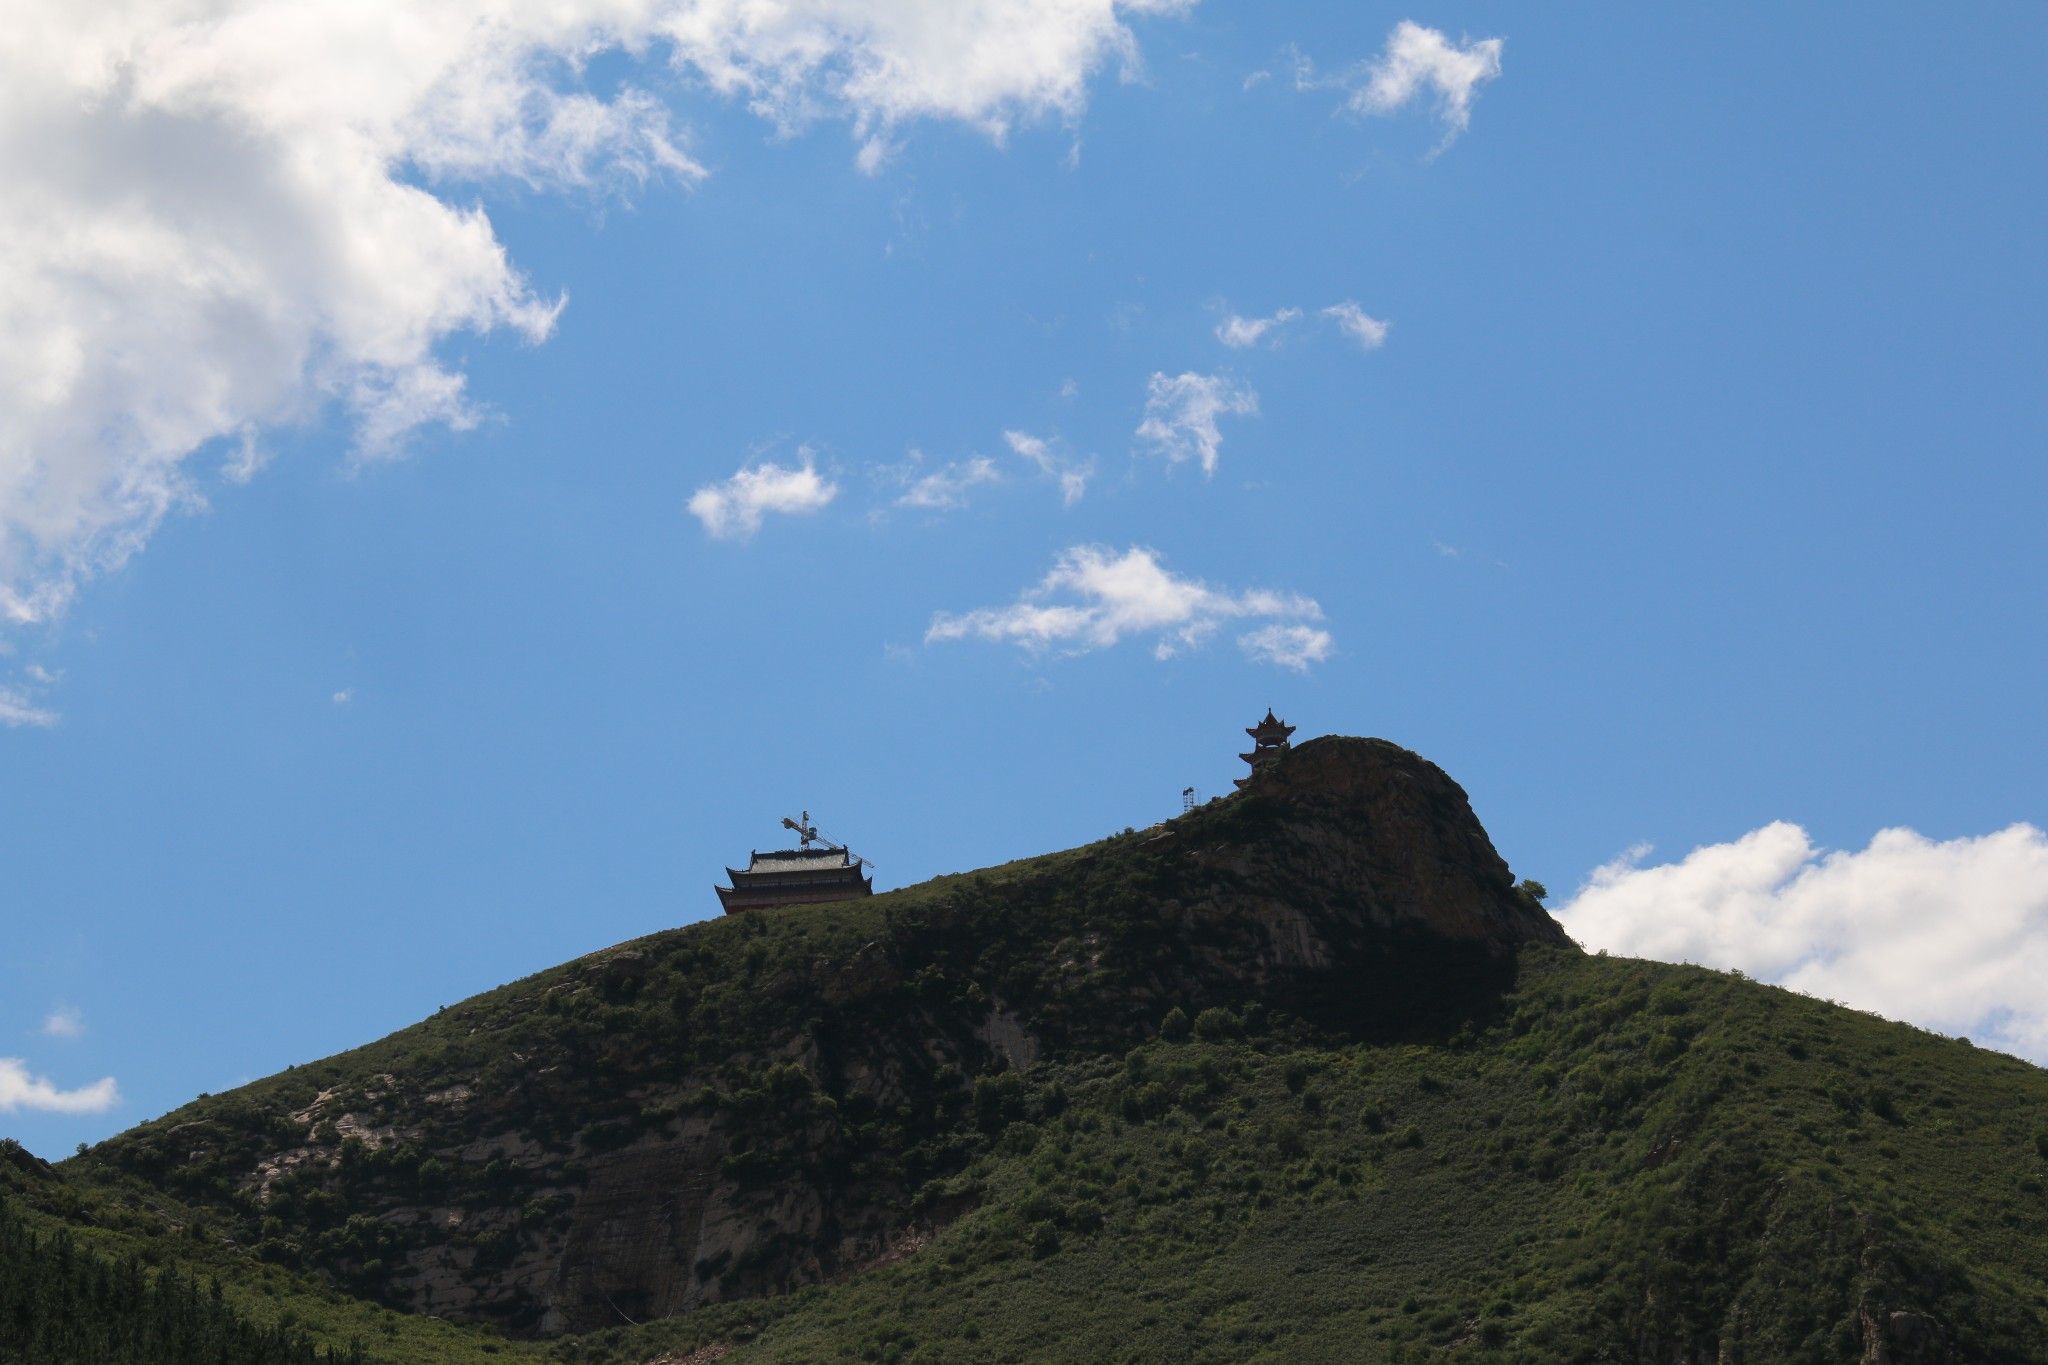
[[1299, 1076], [744, 1106]]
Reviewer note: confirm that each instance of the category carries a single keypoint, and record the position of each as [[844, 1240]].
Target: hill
[[1300, 1074]]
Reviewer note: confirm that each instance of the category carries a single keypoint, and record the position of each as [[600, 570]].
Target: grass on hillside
[[1634, 1161], [162, 1211], [132, 1246], [1630, 1153], [1615, 1160]]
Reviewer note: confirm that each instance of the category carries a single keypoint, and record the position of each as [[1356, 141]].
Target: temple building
[[796, 876], [1269, 741]]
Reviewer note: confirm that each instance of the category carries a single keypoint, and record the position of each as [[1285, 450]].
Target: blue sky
[[1696, 484]]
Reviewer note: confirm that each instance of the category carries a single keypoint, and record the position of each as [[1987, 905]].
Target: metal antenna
[[807, 834]]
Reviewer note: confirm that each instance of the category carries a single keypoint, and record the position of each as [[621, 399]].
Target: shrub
[[1174, 1027], [1669, 999], [997, 1100], [1146, 1101], [1215, 1024]]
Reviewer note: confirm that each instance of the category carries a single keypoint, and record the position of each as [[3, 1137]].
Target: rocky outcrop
[[1368, 834]]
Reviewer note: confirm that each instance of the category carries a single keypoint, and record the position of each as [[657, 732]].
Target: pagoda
[[796, 876], [1269, 741]]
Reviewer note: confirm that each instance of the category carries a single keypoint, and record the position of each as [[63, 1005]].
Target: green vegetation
[[1186, 1094], [61, 1304], [336, 1168], [92, 1241], [1632, 1161], [1626, 1154]]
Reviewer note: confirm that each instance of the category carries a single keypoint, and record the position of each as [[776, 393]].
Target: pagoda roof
[[795, 860], [813, 880], [796, 876], [1271, 725]]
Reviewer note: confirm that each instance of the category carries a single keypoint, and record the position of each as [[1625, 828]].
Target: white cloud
[[946, 487], [1071, 475], [1294, 647], [225, 215], [248, 458], [1181, 412], [1415, 60], [1951, 935], [1094, 598], [21, 1090], [733, 510], [1240, 332], [18, 707], [64, 1022], [1368, 331], [344, 696]]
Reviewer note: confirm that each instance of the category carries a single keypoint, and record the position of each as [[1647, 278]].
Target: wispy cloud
[[1070, 474], [947, 486], [64, 1022], [1368, 331], [1181, 412], [1239, 332], [1948, 934], [21, 1090], [734, 509], [1094, 598], [1288, 646], [1415, 61], [19, 707]]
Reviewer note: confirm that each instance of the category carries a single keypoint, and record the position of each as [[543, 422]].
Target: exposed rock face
[[1898, 1338], [1369, 833], [722, 1111]]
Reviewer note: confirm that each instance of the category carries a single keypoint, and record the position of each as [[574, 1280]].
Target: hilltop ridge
[[1299, 1075], [741, 1106]]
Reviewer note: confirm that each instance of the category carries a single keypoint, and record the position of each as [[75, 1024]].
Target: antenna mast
[[807, 834], [805, 830]]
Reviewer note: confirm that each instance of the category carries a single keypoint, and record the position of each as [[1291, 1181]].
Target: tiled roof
[[799, 860]]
